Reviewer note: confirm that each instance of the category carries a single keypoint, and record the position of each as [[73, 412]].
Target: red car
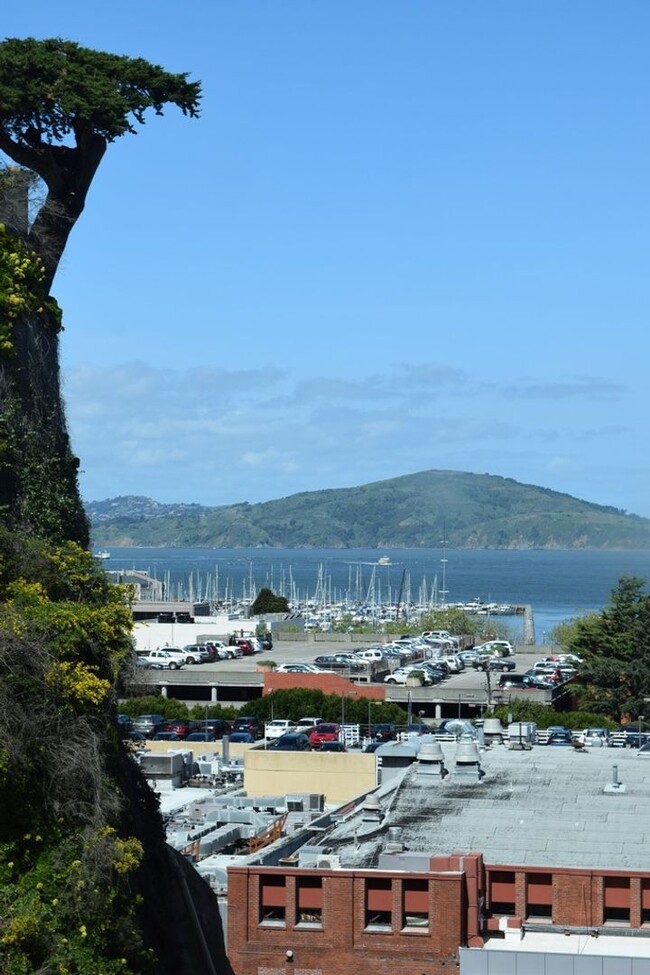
[[180, 727], [323, 732]]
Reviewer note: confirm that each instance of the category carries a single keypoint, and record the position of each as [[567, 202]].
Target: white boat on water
[[383, 560], [102, 555]]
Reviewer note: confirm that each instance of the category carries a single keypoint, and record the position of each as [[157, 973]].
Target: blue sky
[[402, 236]]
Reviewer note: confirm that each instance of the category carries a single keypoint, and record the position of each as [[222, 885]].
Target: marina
[[558, 584]]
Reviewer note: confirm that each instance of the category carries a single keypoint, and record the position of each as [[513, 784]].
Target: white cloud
[[217, 436]]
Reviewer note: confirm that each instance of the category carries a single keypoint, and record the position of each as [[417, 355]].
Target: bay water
[[558, 584]]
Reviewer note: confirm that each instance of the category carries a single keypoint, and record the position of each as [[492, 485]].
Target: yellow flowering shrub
[[21, 277], [77, 683]]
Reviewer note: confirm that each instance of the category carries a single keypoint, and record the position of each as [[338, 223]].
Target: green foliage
[[615, 648], [65, 907], [268, 602], [295, 703], [21, 277], [67, 858], [55, 88], [544, 716]]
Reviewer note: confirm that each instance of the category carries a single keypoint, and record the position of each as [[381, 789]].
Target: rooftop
[[547, 807]]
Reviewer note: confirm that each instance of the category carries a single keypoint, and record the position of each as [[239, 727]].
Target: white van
[[307, 725], [369, 655]]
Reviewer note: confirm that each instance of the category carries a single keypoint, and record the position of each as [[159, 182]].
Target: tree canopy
[[60, 105], [615, 648], [268, 602]]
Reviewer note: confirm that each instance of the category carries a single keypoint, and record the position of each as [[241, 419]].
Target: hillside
[[413, 511]]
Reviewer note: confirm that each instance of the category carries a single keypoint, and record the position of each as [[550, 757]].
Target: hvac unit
[[328, 863]]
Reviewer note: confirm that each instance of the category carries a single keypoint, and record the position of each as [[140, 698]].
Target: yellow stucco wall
[[339, 777]]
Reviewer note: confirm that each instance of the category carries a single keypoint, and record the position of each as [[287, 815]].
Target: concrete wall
[[339, 777]]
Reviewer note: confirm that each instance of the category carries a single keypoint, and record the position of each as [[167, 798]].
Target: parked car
[[166, 736], [247, 722], [294, 741], [223, 651], [324, 731], [502, 647], [195, 653], [522, 682], [307, 725], [402, 675], [488, 662], [384, 731], [148, 724], [635, 736], [331, 661], [124, 723], [443, 636], [433, 669], [332, 746], [247, 647], [181, 727], [594, 737], [200, 736], [289, 668], [418, 729], [218, 726], [562, 738], [242, 737], [162, 660], [468, 656], [277, 728]]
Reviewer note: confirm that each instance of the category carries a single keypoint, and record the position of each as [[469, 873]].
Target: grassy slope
[[471, 510]]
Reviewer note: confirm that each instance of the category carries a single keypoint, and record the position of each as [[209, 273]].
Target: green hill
[[413, 511]]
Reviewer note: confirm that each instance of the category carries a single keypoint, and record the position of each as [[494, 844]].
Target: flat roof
[[546, 807]]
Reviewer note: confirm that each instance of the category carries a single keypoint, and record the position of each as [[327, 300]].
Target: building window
[[273, 900], [616, 900], [539, 896], [415, 903], [645, 901], [309, 901], [379, 903], [502, 892]]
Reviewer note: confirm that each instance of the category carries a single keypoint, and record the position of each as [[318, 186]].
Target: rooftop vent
[[394, 842], [467, 767], [328, 862], [431, 760], [614, 787], [371, 810]]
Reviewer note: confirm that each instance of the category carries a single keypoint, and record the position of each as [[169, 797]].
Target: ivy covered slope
[[68, 852], [87, 884], [38, 471], [417, 510]]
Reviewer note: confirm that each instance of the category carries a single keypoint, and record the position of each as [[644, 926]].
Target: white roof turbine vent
[[371, 810], [431, 761], [468, 765]]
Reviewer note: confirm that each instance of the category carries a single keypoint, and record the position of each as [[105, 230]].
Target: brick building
[[506, 863]]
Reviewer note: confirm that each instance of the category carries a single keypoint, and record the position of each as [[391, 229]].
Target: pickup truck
[[164, 659]]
